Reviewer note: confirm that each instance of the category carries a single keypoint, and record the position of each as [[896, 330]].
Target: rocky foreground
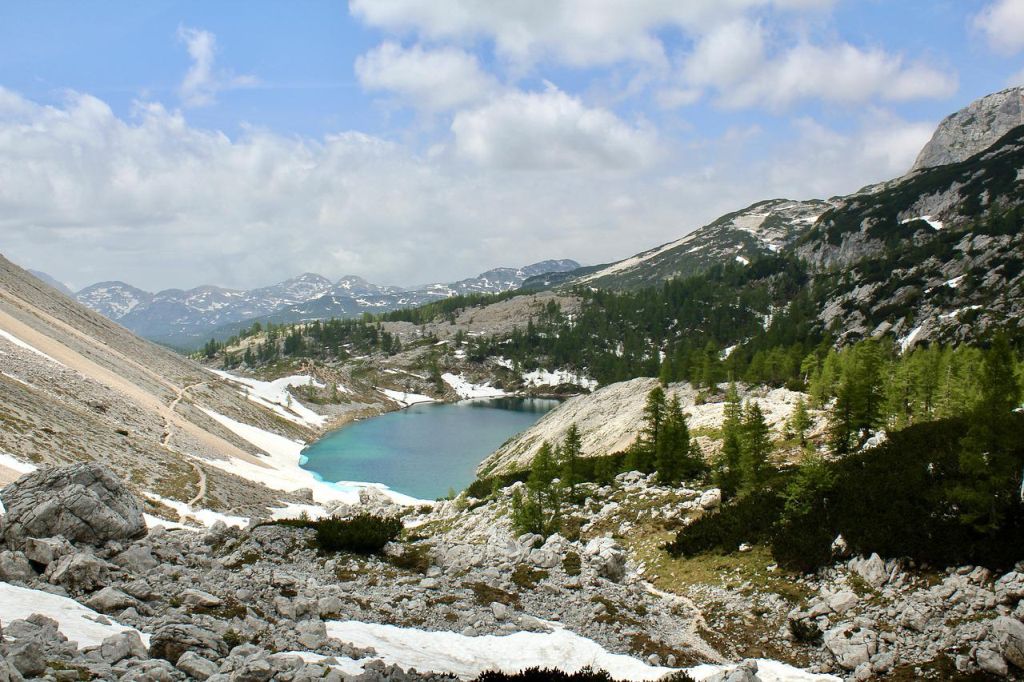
[[261, 603]]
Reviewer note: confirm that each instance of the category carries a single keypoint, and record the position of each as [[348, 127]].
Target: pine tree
[[756, 446], [541, 509], [800, 422], [572, 450], [727, 466], [674, 456], [986, 461]]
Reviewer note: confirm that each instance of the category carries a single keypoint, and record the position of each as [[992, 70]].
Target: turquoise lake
[[424, 450]]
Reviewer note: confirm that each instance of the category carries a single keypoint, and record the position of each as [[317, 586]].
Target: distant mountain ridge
[[185, 318]]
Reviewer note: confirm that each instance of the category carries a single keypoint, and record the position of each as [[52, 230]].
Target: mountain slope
[[78, 387], [763, 228]]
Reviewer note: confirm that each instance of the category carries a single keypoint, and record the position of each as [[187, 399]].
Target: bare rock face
[[84, 503], [974, 129]]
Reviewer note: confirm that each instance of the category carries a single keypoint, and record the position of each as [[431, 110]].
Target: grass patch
[[527, 578], [362, 534], [485, 594]]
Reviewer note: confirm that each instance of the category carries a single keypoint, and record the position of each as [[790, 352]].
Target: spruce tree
[[727, 466], [572, 450], [800, 422], [756, 446]]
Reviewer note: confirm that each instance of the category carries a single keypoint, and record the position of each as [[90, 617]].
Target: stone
[[170, 641], [253, 670], [194, 665], [27, 657], [312, 634], [9, 673], [851, 645], [872, 570], [44, 551], [78, 571], [841, 602], [1008, 636], [710, 499], [744, 672], [199, 599], [84, 503], [499, 610], [123, 645], [15, 566], [608, 558], [992, 662], [138, 559], [110, 600]]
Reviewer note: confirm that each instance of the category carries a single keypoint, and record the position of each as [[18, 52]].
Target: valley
[[784, 447]]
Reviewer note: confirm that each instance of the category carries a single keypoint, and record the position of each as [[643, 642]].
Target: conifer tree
[[727, 466], [572, 449], [800, 422], [540, 510], [674, 456], [756, 446]]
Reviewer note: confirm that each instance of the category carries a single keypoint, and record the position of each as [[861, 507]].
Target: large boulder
[[1008, 636], [83, 503], [851, 645], [172, 640]]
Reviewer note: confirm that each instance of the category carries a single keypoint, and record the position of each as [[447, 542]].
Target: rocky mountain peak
[[973, 129]]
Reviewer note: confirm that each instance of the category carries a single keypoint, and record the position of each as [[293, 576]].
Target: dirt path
[[166, 442], [691, 637]]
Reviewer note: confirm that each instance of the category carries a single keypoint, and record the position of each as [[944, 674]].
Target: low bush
[[362, 534]]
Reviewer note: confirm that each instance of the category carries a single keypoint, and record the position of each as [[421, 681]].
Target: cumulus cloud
[[550, 130], [735, 60], [158, 202], [576, 32], [1002, 24], [203, 81], [437, 80]]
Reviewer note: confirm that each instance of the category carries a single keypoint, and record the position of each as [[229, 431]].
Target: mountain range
[[185, 318]]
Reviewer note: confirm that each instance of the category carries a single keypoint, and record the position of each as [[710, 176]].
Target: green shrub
[[362, 534]]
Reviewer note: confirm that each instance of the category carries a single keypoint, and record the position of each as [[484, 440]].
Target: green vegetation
[[362, 534]]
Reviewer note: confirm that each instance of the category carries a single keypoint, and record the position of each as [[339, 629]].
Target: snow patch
[[467, 390], [78, 623], [955, 282], [205, 517], [956, 313], [936, 224], [542, 377], [274, 395], [727, 352], [907, 341], [406, 399], [21, 344], [467, 657], [11, 462], [742, 261], [282, 470]]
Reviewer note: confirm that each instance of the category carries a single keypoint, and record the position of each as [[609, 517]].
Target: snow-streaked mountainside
[[186, 318], [763, 228]]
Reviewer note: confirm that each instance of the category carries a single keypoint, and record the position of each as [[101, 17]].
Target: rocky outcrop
[[83, 503], [973, 129]]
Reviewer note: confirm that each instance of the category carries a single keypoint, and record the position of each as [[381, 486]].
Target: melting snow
[[907, 341], [727, 352], [956, 313], [78, 623], [955, 282], [406, 399], [275, 396], [467, 657], [467, 390], [542, 377], [21, 344], [206, 517], [742, 261], [10, 462], [936, 224], [282, 470]]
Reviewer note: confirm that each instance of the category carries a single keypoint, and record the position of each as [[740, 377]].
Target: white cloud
[[202, 82], [550, 130], [576, 32], [436, 80], [157, 202], [734, 60], [1002, 23]]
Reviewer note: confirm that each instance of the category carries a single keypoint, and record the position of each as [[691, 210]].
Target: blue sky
[[179, 143]]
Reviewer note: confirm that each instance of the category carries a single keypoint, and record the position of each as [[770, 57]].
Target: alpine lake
[[425, 451]]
